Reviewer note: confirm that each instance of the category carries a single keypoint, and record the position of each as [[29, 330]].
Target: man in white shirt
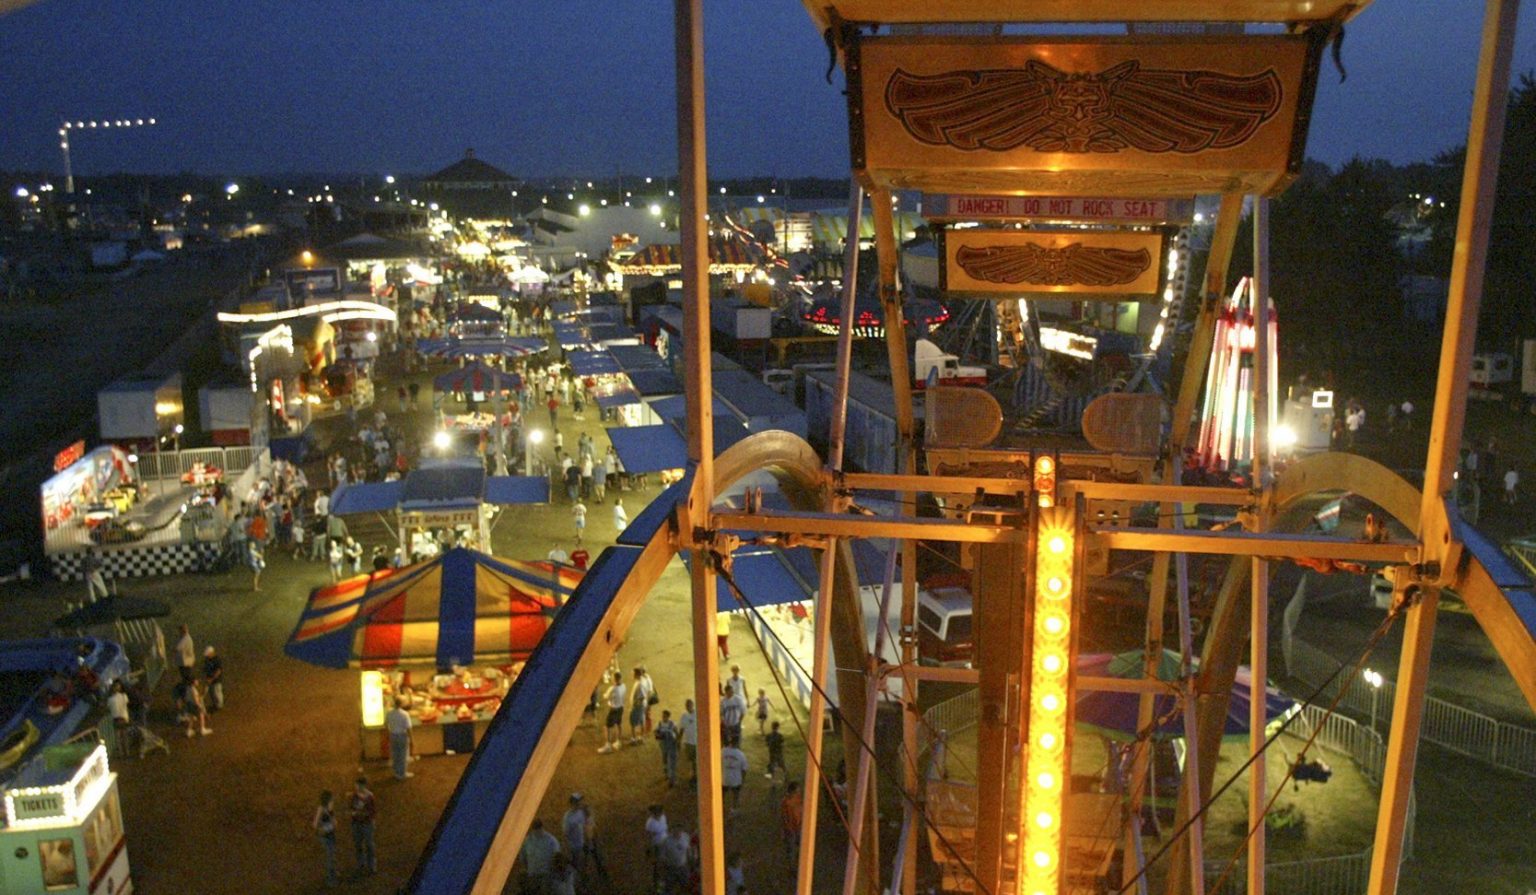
[[655, 837], [733, 770], [733, 708], [613, 728], [688, 735], [398, 723], [737, 683], [186, 654]]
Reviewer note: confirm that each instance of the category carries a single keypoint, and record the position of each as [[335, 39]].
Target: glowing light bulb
[[1042, 859], [1054, 584], [1043, 820], [1053, 624], [1050, 702], [1051, 663], [1047, 741], [1057, 545], [1046, 780]]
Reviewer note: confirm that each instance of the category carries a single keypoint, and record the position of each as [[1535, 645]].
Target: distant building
[[471, 188]]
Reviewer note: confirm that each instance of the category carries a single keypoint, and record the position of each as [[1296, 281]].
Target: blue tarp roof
[[569, 335], [766, 577], [448, 483], [645, 449], [619, 398], [651, 383], [673, 407], [604, 332], [728, 431], [508, 490], [366, 497], [637, 357], [593, 363]]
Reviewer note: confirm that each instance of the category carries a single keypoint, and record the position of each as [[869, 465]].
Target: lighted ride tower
[[979, 99]]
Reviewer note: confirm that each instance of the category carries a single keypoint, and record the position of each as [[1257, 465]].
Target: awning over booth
[[507, 490], [593, 363], [461, 608], [366, 497], [637, 357], [477, 377], [651, 383], [440, 485], [481, 346], [618, 398], [766, 576], [644, 449]]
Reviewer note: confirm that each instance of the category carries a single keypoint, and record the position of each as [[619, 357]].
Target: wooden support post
[[693, 185]]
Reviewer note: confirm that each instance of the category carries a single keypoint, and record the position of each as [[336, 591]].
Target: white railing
[[1340, 875], [1446, 724], [159, 465]]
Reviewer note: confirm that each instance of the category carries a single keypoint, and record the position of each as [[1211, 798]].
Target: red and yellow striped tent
[[462, 608]]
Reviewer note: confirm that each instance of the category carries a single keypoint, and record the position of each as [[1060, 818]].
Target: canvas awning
[[366, 497], [766, 576], [618, 398], [593, 363], [510, 490], [644, 449], [462, 608], [477, 377]]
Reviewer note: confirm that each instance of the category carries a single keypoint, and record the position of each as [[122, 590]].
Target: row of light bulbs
[[118, 122]]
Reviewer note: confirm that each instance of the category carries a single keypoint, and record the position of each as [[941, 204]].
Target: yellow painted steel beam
[[850, 526], [1090, 683], [935, 484], [1330, 472], [1244, 543], [1140, 493]]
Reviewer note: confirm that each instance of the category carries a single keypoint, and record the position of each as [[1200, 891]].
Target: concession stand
[[448, 636]]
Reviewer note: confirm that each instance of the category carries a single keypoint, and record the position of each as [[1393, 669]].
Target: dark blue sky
[[556, 87]]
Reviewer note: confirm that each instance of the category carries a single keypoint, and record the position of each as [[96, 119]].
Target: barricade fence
[[161, 465], [1336, 875], [1510, 747]]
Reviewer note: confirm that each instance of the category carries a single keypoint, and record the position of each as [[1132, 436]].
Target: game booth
[[447, 636]]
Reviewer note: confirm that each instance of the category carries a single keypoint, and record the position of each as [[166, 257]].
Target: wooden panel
[[1144, 117], [1080, 263], [920, 11]]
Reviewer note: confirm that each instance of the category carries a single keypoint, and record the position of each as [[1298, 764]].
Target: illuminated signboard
[[1075, 209], [1077, 263]]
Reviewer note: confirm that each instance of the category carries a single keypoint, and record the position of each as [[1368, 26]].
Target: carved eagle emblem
[[1070, 265], [1049, 110]]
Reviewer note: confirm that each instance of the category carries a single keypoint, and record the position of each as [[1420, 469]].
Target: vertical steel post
[[1485, 136], [901, 389], [1258, 621], [693, 189], [822, 625]]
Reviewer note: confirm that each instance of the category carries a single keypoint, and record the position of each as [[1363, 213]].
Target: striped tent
[[462, 608], [829, 230]]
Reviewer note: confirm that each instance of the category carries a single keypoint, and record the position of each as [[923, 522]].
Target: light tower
[[66, 127]]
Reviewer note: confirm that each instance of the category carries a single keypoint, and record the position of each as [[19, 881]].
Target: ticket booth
[[64, 826]]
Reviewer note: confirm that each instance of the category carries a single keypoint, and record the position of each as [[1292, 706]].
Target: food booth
[[448, 636]]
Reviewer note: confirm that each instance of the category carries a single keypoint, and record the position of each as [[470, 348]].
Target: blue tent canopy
[[477, 377], [619, 398], [727, 431], [449, 483], [637, 357], [366, 497], [651, 383], [766, 578], [508, 490], [644, 449], [593, 363], [674, 407]]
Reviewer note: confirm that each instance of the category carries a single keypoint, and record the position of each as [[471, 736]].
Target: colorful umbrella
[[1114, 714], [462, 608]]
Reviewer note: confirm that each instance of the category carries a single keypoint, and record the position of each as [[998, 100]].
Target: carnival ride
[[941, 104]]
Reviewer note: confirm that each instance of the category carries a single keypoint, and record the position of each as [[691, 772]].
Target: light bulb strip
[[1046, 766]]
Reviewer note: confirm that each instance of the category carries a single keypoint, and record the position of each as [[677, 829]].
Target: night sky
[[548, 88]]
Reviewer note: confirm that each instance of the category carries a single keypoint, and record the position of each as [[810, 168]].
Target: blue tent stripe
[[456, 610]]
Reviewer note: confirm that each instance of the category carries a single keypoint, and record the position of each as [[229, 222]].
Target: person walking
[[599, 481], [256, 558], [398, 723], [538, 853], [337, 556], [733, 770], [189, 701], [762, 704], [186, 654], [364, 810], [675, 852], [95, 577], [640, 694], [738, 684], [123, 730], [324, 823], [723, 634], [666, 738], [620, 516], [354, 552], [613, 728], [213, 673], [775, 741], [655, 838], [586, 476], [415, 389], [1511, 485], [688, 735], [579, 519], [791, 811], [554, 412], [574, 828], [732, 710]]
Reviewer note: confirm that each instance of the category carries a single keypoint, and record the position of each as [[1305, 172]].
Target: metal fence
[[1446, 724], [159, 465], [1336, 875]]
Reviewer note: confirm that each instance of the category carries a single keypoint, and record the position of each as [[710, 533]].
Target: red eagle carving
[[1049, 110], [1037, 265]]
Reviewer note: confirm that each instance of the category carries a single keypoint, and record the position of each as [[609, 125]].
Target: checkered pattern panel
[[139, 562]]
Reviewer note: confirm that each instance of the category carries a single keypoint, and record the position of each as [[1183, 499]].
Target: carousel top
[[824, 12]]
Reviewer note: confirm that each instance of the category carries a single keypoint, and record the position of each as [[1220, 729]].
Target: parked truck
[[931, 364]]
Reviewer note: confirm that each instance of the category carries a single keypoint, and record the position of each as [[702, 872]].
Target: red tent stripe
[[382, 634]]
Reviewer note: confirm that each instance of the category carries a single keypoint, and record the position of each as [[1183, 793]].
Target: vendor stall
[[90, 490], [447, 637]]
